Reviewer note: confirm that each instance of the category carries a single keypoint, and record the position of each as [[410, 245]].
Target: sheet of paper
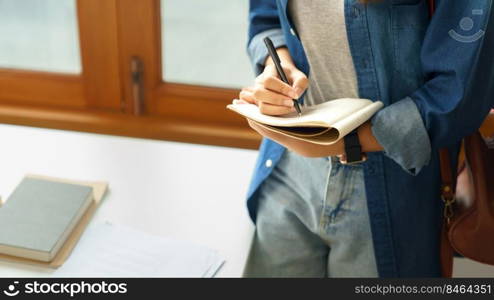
[[108, 250]]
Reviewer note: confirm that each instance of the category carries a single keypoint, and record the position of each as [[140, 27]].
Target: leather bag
[[468, 227]]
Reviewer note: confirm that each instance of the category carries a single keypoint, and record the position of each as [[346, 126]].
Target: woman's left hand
[[301, 147]]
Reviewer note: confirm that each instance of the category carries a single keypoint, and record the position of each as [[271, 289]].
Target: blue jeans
[[312, 221]]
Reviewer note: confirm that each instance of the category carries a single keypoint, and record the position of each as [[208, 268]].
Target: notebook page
[[324, 114], [346, 125]]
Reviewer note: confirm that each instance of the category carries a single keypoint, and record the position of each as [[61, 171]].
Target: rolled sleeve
[[400, 130], [257, 50]]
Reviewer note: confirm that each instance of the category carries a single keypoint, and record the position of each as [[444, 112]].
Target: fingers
[[246, 95], [272, 95], [275, 110], [237, 101], [258, 94], [300, 82], [270, 80], [261, 94], [276, 85]]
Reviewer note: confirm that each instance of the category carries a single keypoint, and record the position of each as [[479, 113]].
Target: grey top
[[321, 28]]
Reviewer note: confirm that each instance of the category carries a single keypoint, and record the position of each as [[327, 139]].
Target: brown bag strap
[[446, 254], [447, 181], [432, 7], [448, 197]]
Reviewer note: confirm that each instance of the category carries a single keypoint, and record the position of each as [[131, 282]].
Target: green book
[[39, 216]]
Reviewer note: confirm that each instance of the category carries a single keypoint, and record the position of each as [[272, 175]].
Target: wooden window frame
[[102, 99]]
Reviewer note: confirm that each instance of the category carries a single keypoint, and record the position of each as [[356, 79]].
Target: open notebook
[[322, 124]]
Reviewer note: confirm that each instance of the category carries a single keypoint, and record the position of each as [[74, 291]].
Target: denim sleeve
[[459, 91], [401, 132], [257, 50]]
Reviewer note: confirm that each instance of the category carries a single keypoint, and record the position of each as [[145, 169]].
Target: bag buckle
[[449, 199]]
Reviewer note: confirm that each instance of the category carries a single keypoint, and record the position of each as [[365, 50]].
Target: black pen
[[277, 62]]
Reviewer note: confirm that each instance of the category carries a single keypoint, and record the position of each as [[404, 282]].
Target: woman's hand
[[274, 97], [270, 93]]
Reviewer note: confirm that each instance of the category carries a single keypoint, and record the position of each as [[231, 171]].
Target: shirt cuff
[[257, 49], [400, 130]]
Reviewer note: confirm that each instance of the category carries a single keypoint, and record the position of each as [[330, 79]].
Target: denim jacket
[[436, 80]]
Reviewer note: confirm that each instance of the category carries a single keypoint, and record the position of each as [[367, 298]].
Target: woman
[[317, 217]]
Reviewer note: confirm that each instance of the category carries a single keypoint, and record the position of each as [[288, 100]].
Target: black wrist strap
[[353, 149]]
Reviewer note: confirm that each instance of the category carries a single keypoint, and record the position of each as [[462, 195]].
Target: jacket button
[[269, 163], [293, 32]]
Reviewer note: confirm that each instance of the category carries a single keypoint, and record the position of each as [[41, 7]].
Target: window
[[213, 56], [39, 35], [154, 69]]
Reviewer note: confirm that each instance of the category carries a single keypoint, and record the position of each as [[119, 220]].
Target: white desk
[[188, 192], [183, 191]]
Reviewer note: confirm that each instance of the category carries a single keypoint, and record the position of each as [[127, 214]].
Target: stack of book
[[44, 217]]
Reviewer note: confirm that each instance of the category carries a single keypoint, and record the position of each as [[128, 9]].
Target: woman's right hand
[[270, 93]]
